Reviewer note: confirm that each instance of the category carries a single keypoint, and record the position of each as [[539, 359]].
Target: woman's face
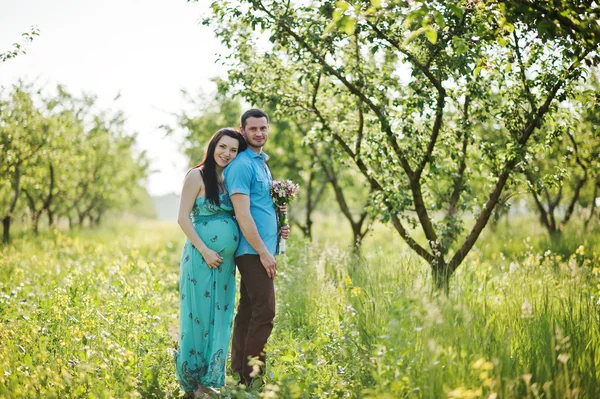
[[227, 149]]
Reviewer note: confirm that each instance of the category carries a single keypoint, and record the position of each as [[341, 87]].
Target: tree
[[318, 165], [39, 182], [22, 137], [65, 158], [561, 172], [289, 157], [400, 87], [109, 173], [63, 161], [207, 116], [210, 115], [568, 161], [314, 165]]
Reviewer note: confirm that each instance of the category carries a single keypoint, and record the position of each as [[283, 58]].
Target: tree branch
[[411, 57], [571, 207], [507, 169], [562, 19], [414, 177], [554, 203], [361, 118], [339, 194], [383, 120], [16, 187], [30, 200], [458, 183], [375, 185], [439, 113], [543, 214], [523, 76], [580, 183], [593, 204]]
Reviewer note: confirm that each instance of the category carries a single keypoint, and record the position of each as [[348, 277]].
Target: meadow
[[93, 314]]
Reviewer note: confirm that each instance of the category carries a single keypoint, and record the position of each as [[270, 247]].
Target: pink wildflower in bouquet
[[282, 193]]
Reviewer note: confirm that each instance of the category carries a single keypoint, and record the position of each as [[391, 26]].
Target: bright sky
[[148, 50]]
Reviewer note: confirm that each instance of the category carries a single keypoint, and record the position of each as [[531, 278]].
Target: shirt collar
[[263, 155]]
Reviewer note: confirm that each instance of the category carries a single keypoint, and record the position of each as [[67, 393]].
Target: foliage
[[567, 164], [20, 48], [99, 317], [65, 158], [88, 321], [204, 117], [404, 90], [313, 165]]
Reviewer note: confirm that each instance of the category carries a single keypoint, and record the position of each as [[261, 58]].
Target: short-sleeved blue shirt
[[248, 174]]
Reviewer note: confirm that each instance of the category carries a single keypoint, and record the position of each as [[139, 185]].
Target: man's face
[[256, 131]]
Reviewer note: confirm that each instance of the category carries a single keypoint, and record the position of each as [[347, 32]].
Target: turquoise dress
[[207, 297]]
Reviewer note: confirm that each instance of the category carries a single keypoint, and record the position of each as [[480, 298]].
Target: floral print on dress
[[205, 323]]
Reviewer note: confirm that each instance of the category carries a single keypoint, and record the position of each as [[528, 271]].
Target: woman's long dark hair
[[208, 166]]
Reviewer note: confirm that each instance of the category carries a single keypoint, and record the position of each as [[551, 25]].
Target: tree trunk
[[7, 219], [35, 213], [555, 237], [358, 232], [6, 226], [50, 197], [441, 273], [51, 221], [308, 208], [357, 238], [592, 206], [35, 219], [308, 227]]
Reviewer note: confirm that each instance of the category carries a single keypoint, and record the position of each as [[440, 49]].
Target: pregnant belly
[[220, 235]]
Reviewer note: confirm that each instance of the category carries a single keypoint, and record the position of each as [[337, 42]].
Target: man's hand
[[285, 232], [283, 209], [269, 263], [212, 258]]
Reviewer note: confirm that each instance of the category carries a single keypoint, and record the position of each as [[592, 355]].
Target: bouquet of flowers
[[282, 193]]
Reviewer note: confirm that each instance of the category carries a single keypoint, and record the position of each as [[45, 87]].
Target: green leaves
[[20, 48], [348, 25], [341, 7], [431, 35], [425, 98], [66, 160], [456, 10], [459, 44], [340, 20]]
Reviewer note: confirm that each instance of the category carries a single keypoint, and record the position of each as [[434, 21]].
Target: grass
[[93, 314]]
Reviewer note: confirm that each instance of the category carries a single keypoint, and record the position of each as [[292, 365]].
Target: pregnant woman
[[207, 269]]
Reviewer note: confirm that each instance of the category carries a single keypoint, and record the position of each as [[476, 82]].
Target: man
[[248, 181]]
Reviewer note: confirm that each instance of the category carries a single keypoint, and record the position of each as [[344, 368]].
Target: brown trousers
[[254, 318]]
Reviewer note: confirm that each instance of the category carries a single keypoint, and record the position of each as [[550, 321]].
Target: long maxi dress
[[207, 297]]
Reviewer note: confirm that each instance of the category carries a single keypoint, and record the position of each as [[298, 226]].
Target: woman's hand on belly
[[212, 258]]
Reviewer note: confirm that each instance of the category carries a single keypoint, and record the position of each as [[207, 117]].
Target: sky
[[146, 50]]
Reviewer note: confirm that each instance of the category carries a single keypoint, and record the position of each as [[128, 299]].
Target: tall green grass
[[94, 315], [87, 315]]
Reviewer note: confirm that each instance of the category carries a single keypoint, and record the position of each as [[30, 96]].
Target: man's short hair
[[253, 113]]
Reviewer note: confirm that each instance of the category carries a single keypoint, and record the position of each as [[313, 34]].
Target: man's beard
[[253, 143]]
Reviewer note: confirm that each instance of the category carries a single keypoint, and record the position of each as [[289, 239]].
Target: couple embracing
[[231, 187]]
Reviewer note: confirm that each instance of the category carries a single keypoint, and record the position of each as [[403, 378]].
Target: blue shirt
[[248, 174]]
